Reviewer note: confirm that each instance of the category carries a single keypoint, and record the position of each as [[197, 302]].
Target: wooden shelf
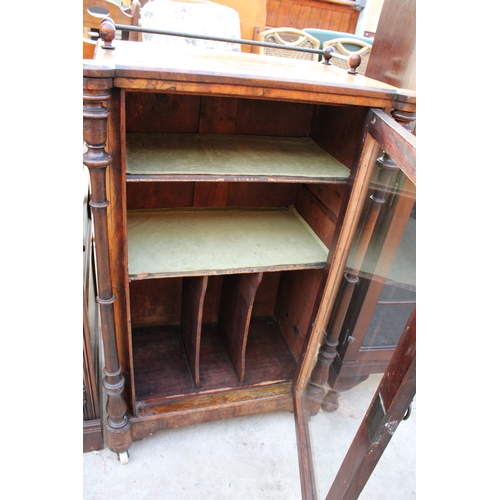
[[213, 157], [162, 370], [209, 241]]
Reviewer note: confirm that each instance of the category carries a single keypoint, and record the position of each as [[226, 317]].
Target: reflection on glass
[[396, 300], [372, 307]]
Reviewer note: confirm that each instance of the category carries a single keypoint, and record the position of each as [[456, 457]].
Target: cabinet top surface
[[131, 62]]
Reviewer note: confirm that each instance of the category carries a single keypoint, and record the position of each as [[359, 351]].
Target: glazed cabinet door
[[363, 250]]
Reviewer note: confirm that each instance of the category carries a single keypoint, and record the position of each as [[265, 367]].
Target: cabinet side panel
[[319, 217], [338, 130], [329, 195], [294, 305]]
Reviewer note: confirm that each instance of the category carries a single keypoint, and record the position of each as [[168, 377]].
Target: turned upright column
[[96, 92]]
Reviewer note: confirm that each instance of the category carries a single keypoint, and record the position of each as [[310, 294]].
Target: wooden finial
[[327, 55], [107, 32], [354, 62]]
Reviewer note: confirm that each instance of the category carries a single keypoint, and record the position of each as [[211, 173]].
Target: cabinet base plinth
[[92, 435], [211, 407]]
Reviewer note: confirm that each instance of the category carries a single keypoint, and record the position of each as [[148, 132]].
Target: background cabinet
[[326, 15], [92, 428]]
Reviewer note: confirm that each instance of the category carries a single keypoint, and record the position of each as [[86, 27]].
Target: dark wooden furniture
[[393, 57], [224, 194], [333, 15], [92, 425]]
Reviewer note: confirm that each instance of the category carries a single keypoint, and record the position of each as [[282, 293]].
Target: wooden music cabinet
[[222, 184]]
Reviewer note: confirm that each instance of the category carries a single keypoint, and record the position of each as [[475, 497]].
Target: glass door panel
[[369, 299]]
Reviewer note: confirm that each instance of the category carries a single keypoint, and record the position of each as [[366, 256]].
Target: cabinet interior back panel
[[181, 154], [220, 241]]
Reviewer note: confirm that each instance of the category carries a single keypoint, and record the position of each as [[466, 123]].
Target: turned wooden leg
[[328, 351], [95, 117], [318, 388], [337, 385]]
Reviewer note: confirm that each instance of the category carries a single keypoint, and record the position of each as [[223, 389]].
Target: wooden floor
[[162, 372]]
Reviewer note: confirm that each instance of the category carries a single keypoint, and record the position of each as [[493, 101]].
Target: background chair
[[95, 10], [326, 35], [342, 53], [290, 37]]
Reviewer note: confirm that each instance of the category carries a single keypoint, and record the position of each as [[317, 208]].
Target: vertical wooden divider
[[193, 297], [238, 295]]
